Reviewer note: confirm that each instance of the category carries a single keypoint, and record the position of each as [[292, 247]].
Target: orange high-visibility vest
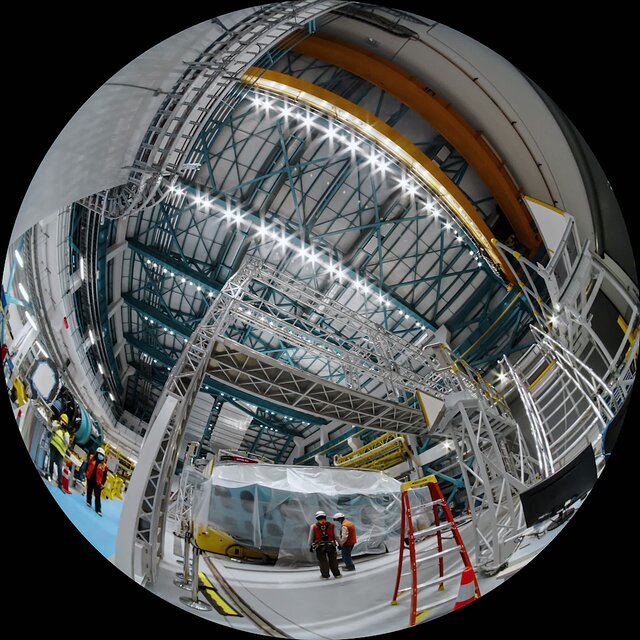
[[351, 538], [328, 529], [101, 469]]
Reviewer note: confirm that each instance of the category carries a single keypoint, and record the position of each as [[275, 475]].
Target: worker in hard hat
[[96, 476], [323, 542], [346, 539], [58, 444]]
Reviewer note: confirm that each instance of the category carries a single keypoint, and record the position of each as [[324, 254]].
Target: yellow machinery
[[20, 394], [112, 487], [217, 541], [125, 464], [382, 453]]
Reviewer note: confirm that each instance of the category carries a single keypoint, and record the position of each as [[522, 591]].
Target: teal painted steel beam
[[175, 266], [162, 319]]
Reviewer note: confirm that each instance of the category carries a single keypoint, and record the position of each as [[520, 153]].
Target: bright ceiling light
[[31, 320], [18, 258], [92, 337], [23, 291], [40, 348], [100, 369], [81, 268], [111, 397], [286, 110]]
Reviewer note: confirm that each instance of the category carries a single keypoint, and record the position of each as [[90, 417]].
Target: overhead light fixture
[[100, 369], [31, 320], [23, 292], [316, 101], [81, 268], [41, 349], [111, 397], [92, 337], [18, 258]]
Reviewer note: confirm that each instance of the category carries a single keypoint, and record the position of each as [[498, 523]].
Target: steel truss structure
[[208, 85], [276, 257], [388, 358]]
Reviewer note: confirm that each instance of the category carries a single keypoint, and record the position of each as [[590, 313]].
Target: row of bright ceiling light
[[25, 297], [34, 324], [305, 253], [379, 159], [160, 270], [92, 338]]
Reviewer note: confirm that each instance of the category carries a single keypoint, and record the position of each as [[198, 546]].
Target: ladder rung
[[439, 554], [431, 530], [426, 505], [437, 603], [444, 578]]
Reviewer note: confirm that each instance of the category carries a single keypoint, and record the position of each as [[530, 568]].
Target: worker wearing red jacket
[[323, 542], [346, 540], [96, 475]]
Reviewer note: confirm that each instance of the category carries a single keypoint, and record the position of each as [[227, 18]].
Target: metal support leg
[[183, 579], [193, 602]]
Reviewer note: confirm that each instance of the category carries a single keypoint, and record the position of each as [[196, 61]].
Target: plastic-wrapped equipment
[[270, 508]]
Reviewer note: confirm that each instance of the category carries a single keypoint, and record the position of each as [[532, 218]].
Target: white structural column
[[141, 530]]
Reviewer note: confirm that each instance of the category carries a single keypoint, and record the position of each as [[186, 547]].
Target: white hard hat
[[338, 515], [320, 514], [100, 450]]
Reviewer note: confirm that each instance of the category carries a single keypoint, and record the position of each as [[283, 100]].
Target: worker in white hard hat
[[346, 539], [58, 444], [96, 476], [322, 541]]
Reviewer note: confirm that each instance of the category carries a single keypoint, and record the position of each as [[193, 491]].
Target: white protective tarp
[[272, 507]]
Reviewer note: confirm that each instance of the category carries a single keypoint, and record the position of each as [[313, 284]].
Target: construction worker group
[[323, 541]]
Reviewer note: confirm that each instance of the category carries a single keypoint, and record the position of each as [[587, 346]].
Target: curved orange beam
[[393, 142], [442, 116]]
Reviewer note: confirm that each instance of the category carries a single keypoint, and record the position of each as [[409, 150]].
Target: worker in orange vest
[[323, 542], [96, 475], [346, 540]]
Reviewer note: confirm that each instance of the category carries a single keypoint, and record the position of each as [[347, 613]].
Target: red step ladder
[[408, 537]]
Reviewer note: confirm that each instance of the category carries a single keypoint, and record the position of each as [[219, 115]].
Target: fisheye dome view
[[319, 320]]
